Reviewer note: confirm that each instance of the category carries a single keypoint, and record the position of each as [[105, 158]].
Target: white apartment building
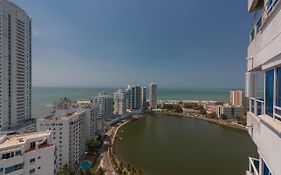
[[143, 98], [105, 105], [27, 154], [153, 95], [92, 120], [264, 58], [69, 135], [120, 100], [136, 98], [15, 65], [100, 124]]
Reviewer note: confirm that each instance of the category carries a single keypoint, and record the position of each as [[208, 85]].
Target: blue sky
[[177, 43]]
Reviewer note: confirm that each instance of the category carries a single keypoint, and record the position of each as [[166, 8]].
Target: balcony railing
[[265, 13], [254, 166], [256, 106], [277, 113]]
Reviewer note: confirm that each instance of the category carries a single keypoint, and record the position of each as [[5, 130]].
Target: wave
[[49, 105]]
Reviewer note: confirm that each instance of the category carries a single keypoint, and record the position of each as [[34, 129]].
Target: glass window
[[265, 170], [32, 161], [269, 83], [278, 88]]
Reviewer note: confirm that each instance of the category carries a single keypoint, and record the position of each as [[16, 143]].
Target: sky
[[110, 43]]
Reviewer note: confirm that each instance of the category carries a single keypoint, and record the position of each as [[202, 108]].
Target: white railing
[[277, 112], [256, 106], [253, 167]]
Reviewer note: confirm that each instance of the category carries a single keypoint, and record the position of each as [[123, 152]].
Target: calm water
[[165, 145], [43, 97]]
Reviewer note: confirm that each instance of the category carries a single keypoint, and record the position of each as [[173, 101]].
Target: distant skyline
[[176, 43]]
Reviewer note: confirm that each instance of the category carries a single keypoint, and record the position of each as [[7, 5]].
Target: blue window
[[269, 83], [13, 168], [265, 170]]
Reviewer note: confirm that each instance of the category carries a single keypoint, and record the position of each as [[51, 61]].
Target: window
[[18, 153], [269, 83], [13, 168], [32, 161], [265, 170], [32, 144], [32, 171]]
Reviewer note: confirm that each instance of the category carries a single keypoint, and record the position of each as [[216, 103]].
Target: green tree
[[212, 115], [224, 117]]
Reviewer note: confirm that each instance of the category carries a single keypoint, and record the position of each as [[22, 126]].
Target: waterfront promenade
[[104, 160]]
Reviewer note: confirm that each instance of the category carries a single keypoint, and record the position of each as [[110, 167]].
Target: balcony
[[256, 106], [254, 5], [253, 166], [265, 37]]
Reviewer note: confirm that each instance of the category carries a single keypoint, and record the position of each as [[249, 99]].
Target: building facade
[[69, 135], [153, 96], [32, 153], [15, 65], [230, 111], [104, 103], [264, 116], [120, 101], [236, 98], [136, 98]]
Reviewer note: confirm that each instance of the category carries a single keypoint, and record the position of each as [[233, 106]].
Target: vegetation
[[65, 171], [122, 168], [92, 145], [223, 116], [196, 106], [173, 107], [212, 115], [242, 120]]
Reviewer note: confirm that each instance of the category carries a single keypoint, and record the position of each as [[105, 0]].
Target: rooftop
[[69, 114], [18, 140]]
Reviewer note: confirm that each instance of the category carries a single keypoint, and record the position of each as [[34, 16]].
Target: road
[[105, 162]]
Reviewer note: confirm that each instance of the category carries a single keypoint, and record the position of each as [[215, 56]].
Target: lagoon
[[164, 145]]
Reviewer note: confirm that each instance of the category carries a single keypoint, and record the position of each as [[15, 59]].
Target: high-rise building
[[143, 98], [136, 98], [15, 65], [236, 98], [120, 99], [69, 135], [32, 153], [104, 103], [264, 58], [153, 96]]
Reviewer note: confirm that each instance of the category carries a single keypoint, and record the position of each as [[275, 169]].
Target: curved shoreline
[[217, 121]]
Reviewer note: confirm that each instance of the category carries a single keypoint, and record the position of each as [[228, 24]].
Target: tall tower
[[105, 105], [153, 96], [120, 98], [15, 65], [236, 98]]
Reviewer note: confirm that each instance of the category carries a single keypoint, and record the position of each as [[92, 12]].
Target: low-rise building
[[230, 111], [32, 153]]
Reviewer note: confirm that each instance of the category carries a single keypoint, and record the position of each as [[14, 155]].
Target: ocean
[[42, 97]]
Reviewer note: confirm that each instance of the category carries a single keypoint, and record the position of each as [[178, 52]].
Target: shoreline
[[217, 121]]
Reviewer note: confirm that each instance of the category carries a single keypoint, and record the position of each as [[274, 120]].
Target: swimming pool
[[85, 165]]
